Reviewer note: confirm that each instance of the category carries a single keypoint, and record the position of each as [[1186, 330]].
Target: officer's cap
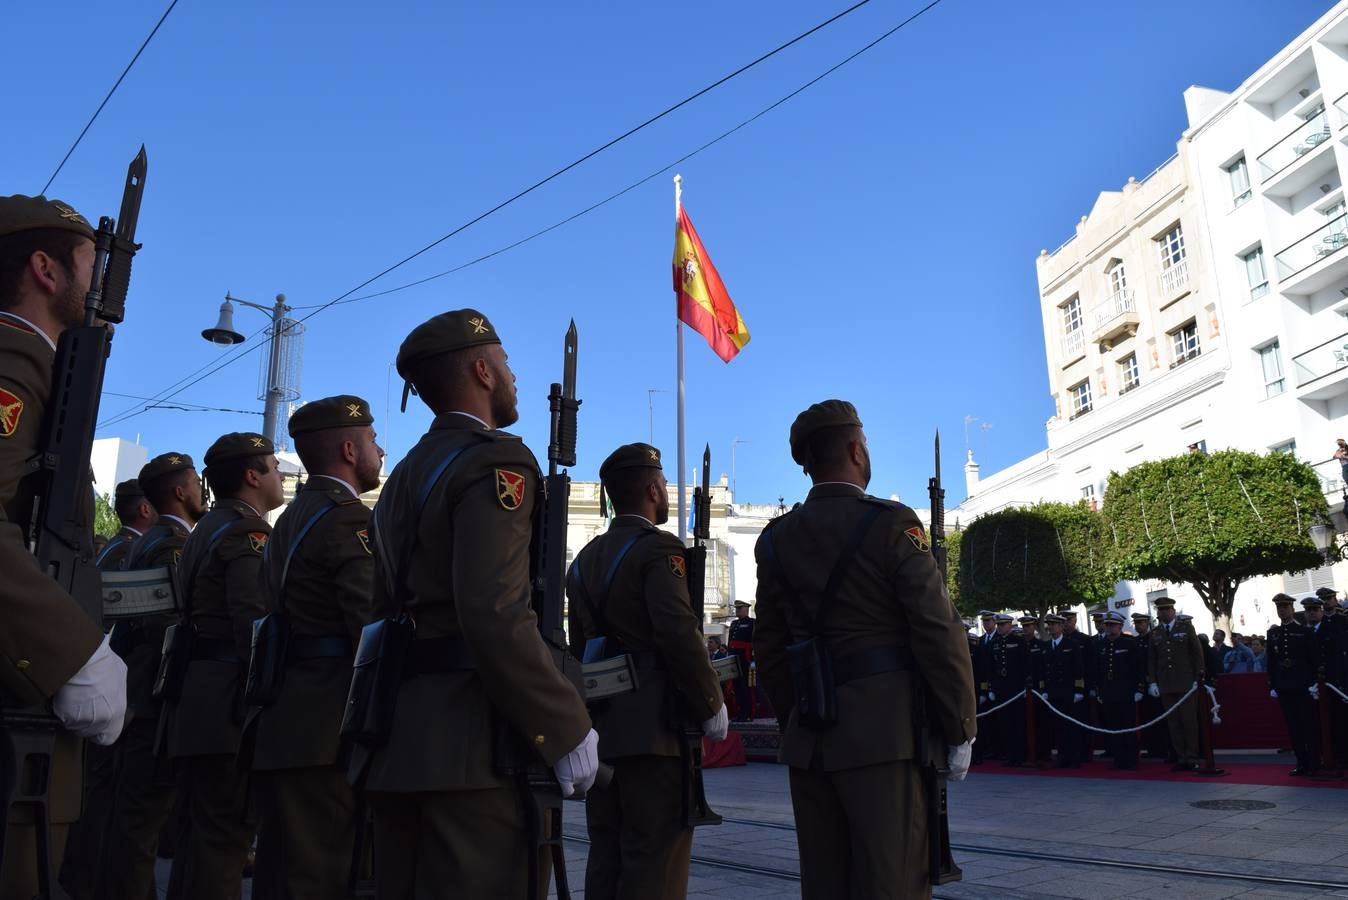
[[164, 464], [237, 445], [1326, 593], [128, 490], [19, 212], [1141, 617], [739, 603], [1028, 620], [1004, 617], [826, 414], [1114, 616], [457, 329], [1283, 600], [1312, 603], [1053, 619], [1163, 603], [630, 456], [1067, 612], [986, 614], [342, 411]]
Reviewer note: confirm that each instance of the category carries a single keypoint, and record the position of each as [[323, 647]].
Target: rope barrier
[[1342, 695], [988, 712], [1212, 697], [1177, 704]]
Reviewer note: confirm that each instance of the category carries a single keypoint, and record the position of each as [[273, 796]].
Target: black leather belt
[[320, 647], [214, 649], [432, 656], [864, 663]]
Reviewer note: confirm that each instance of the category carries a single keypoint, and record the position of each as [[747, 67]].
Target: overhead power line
[[115, 85], [243, 350]]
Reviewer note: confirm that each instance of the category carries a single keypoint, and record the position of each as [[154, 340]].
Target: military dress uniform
[[1120, 673], [219, 570], [1156, 739], [1084, 643], [1034, 681], [740, 641], [1336, 672], [46, 637], [855, 789], [989, 745], [446, 822], [639, 844], [1009, 667], [1065, 685], [1293, 656], [1174, 663], [318, 574]]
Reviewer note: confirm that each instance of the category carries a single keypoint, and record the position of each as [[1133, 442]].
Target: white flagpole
[[678, 328]]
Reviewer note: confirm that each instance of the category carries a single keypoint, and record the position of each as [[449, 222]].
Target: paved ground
[[1304, 835]]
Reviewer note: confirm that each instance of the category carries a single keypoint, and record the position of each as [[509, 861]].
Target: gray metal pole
[[271, 412]]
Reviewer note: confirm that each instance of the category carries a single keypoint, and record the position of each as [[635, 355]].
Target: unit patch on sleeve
[[918, 537], [257, 540], [364, 537], [11, 410], [509, 489], [678, 565]]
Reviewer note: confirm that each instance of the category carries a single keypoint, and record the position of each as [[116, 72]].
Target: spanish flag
[[704, 303]]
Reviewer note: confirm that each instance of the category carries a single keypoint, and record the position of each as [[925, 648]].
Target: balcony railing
[[1175, 278], [1073, 344], [1302, 140], [1081, 411], [1341, 105], [1320, 361], [1129, 386], [1324, 241], [1119, 303], [1187, 355]]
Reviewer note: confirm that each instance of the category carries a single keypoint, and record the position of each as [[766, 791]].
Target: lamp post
[[282, 373], [1322, 534], [734, 482]]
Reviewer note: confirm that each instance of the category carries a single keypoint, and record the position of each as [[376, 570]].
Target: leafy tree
[[1034, 559], [952, 581], [1213, 521], [106, 522]]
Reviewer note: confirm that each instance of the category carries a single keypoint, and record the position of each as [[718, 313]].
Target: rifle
[[941, 867], [61, 532]]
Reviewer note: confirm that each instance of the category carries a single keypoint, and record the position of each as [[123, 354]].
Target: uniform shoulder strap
[[294, 547], [200, 560], [814, 624], [597, 607]]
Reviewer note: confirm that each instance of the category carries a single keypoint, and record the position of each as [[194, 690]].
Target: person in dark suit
[[1009, 664], [1293, 661], [1120, 679], [1065, 683]]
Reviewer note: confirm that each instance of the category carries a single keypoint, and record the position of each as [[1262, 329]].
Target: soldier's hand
[[577, 770], [1314, 691], [1076, 698], [1137, 696], [1154, 689], [1272, 693], [958, 760], [718, 726], [992, 695], [1093, 695], [982, 698], [93, 703]]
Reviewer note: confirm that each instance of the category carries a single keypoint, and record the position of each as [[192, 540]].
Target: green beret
[[630, 456], [342, 411], [164, 464], [454, 330], [236, 445], [828, 414], [19, 212], [127, 490]]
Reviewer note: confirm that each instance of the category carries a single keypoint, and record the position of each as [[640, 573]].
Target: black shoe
[[1298, 771], [1181, 767]]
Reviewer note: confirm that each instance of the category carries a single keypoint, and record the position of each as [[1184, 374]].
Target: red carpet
[[729, 752], [1270, 774]]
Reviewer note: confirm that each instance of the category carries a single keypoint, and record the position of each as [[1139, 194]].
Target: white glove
[[1092, 693], [718, 726], [958, 761], [982, 698], [1076, 698], [1273, 694], [1137, 696], [576, 771], [992, 695], [1154, 689], [93, 703], [1314, 691]]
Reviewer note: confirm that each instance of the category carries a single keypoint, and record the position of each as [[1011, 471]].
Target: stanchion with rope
[[1328, 769], [1031, 744], [999, 706], [1210, 717]]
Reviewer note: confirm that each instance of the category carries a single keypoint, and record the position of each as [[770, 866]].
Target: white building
[[114, 461], [1207, 305]]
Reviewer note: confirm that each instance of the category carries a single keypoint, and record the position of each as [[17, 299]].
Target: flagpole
[[678, 331]]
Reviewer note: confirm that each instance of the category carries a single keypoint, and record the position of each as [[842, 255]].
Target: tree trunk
[[1219, 596]]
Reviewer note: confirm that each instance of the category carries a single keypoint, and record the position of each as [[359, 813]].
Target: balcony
[[1322, 371], [1115, 317], [1175, 280], [1317, 255], [1192, 353], [1301, 142], [1341, 105], [1073, 346]]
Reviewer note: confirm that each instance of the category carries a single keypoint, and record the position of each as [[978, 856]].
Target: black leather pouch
[[812, 676], [376, 680], [267, 663], [179, 641]]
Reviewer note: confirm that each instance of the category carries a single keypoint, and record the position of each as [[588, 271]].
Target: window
[[1255, 275], [1184, 344], [1081, 398], [1088, 494], [1288, 447], [1129, 377], [1271, 361], [1118, 278], [1071, 315], [1172, 247], [1240, 181]]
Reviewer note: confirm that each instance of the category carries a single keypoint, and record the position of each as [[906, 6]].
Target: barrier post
[[1328, 769], [1209, 768], [1031, 743]]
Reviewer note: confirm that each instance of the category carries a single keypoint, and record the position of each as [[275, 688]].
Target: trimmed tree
[[1035, 559], [106, 522], [952, 568], [1213, 521]]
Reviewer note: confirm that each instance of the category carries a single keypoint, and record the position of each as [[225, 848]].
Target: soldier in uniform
[[1120, 678], [1034, 681], [318, 573], [1009, 665], [50, 651], [145, 791], [1065, 684], [741, 643], [445, 820], [1336, 672], [628, 586], [135, 514], [989, 745], [222, 596], [889, 628], [1293, 658], [1174, 663], [1156, 739]]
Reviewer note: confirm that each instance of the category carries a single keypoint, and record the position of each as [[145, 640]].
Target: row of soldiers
[[1306, 654]]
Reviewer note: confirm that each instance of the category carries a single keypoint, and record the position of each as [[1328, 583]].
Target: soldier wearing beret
[[221, 597], [318, 573], [50, 651], [445, 818], [1175, 661], [144, 791], [1293, 659], [1120, 665], [135, 514], [629, 586], [889, 627]]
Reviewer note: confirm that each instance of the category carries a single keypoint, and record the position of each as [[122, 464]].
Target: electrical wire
[[116, 85]]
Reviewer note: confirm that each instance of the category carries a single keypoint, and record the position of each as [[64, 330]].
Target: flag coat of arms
[[703, 301]]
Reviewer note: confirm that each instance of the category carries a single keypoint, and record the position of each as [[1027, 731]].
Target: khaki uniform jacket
[[110, 558], [469, 577], [648, 611], [892, 594], [160, 545], [327, 593], [221, 598], [1174, 657], [46, 638]]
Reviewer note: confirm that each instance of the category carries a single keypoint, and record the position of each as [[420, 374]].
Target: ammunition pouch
[[376, 679], [126, 635], [178, 650], [811, 666], [267, 662], [139, 592], [727, 668]]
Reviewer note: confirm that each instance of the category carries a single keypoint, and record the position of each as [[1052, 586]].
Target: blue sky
[[878, 232]]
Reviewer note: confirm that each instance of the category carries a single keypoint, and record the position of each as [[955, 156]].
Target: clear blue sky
[[878, 232]]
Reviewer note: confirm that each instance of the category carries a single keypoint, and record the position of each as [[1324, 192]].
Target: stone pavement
[[1304, 835]]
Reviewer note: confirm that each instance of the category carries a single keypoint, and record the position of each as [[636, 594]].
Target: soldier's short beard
[[504, 406], [69, 307]]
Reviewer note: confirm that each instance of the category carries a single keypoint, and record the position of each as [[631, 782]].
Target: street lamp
[[1322, 534], [281, 378]]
